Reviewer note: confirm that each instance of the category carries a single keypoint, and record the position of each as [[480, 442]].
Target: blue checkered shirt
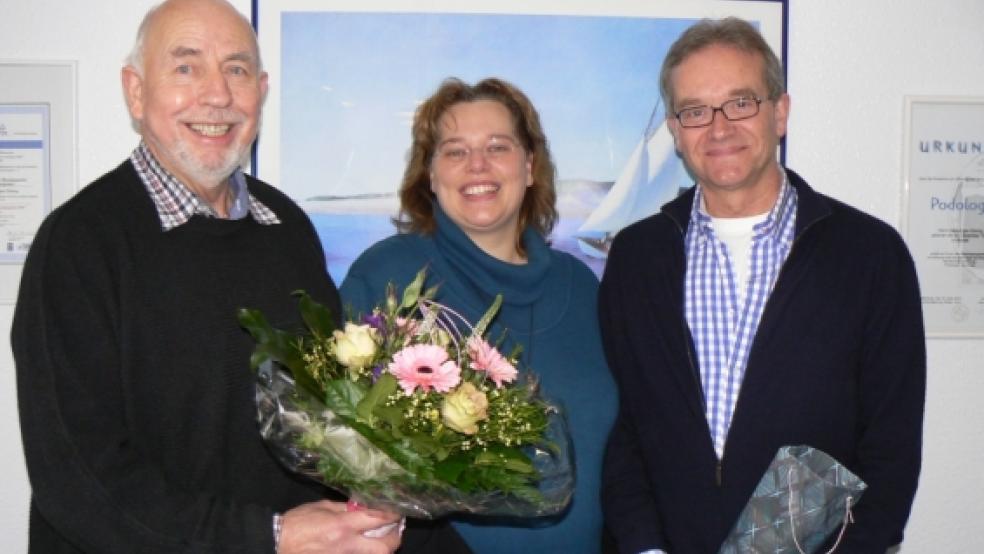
[[723, 326], [176, 203]]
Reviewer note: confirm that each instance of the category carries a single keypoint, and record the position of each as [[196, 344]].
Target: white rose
[[464, 408], [355, 347]]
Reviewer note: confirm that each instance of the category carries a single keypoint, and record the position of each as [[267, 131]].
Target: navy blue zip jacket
[[838, 363]]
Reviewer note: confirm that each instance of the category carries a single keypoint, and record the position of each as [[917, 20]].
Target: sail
[[652, 176]]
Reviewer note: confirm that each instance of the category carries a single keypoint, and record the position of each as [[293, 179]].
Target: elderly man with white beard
[[135, 393]]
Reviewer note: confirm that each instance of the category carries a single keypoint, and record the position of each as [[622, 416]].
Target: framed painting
[[346, 77]]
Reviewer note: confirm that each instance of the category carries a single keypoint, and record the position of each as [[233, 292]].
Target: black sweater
[[135, 392]]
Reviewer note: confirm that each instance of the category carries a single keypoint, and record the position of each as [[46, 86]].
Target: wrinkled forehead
[[720, 68], [196, 26]]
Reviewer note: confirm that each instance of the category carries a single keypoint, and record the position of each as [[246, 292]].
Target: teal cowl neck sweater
[[549, 307]]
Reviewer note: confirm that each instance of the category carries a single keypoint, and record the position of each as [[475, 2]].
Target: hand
[[326, 526]]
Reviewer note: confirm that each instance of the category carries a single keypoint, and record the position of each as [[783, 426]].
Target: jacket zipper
[[719, 468], [693, 368], [719, 465]]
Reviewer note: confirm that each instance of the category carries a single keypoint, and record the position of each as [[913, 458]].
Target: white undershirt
[[736, 233]]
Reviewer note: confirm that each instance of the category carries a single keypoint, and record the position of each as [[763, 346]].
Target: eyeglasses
[[735, 109], [497, 147]]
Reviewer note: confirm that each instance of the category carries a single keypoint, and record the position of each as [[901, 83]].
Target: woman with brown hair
[[477, 204]]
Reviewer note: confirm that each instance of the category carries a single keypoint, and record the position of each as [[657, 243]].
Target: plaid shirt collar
[[780, 217], [176, 203]]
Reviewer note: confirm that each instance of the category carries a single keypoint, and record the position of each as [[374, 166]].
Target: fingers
[[326, 526], [382, 519], [391, 539], [330, 505]]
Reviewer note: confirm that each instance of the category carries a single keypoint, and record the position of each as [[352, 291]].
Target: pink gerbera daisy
[[484, 357], [425, 366]]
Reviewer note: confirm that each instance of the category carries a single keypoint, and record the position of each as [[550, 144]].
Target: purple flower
[[375, 320]]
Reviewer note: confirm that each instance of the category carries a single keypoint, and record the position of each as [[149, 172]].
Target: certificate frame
[[25, 175], [943, 210], [38, 115], [349, 203]]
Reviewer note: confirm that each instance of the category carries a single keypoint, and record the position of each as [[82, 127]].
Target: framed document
[[346, 77], [37, 152], [944, 210], [25, 175]]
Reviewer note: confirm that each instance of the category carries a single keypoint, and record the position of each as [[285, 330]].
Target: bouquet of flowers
[[410, 409]]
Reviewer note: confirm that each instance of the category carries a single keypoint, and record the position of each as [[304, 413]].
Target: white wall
[[850, 64]]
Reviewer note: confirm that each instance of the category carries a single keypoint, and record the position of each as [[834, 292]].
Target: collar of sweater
[[485, 275]]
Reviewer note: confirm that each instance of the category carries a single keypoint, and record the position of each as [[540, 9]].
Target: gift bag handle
[[848, 517]]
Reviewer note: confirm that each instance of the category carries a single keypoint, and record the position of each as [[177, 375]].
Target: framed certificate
[[37, 151], [25, 175], [944, 210]]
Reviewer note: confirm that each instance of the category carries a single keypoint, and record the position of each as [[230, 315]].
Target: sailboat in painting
[[652, 176]]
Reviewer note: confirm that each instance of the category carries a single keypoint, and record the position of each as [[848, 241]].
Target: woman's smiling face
[[480, 171]]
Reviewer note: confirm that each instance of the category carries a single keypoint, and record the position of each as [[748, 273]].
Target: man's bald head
[[151, 20]]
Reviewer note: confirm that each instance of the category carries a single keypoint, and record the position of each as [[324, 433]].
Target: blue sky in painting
[[350, 83]]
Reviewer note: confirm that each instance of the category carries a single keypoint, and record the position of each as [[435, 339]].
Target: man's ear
[[264, 86], [673, 126], [133, 91], [781, 114]]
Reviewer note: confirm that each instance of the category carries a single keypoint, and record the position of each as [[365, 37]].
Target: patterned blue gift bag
[[803, 498]]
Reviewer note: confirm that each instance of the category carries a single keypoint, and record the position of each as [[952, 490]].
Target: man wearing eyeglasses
[[752, 313]]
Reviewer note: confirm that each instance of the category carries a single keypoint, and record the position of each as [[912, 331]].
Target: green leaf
[[412, 291], [452, 467], [335, 472], [267, 338], [431, 292], [529, 494], [483, 323], [279, 346], [342, 396], [384, 386], [425, 445], [515, 353], [495, 478], [506, 457], [317, 317], [401, 451], [391, 415]]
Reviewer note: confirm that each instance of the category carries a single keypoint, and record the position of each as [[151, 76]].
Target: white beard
[[210, 174]]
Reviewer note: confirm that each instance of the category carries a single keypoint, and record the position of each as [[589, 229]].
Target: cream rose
[[355, 347], [464, 408]]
